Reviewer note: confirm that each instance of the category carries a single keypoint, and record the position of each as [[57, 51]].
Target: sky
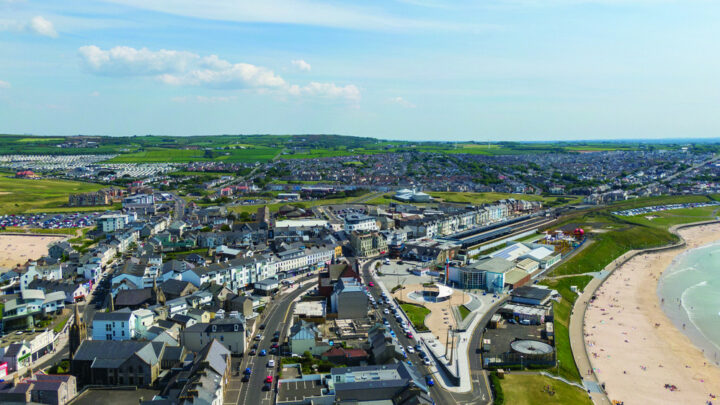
[[460, 70]]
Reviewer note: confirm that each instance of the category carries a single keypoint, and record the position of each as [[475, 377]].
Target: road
[[275, 317], [439, 395]]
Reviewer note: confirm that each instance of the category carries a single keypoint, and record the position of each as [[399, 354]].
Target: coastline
[[634, 347], [680, 315]]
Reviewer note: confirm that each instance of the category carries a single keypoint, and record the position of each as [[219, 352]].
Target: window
[[130, 369], [108, 327], [108, 337], [123, 333]]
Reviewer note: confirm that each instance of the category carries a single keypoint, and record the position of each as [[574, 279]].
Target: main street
[[276, 317], [478, 395]]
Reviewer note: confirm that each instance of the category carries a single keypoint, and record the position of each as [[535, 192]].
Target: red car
[[371, 284], [268, 379], [274, 346], [410, 335]]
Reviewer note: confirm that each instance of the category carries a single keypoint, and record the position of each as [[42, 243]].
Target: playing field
[[21, 195]]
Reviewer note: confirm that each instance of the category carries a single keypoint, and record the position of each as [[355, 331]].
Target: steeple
[[111, 305], [77, 333], [158, 293]]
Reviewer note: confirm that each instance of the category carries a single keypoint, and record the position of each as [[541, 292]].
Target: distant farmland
[[164, 155]]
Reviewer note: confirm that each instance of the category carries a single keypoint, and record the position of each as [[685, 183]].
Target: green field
[[251, 209], [59, 231], [483, 198], [417, 315], [168, 155], [614, 235], [23, 195], [528, 389], [666, 219], [561, 323]]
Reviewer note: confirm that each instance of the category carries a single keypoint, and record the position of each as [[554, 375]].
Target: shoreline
[[634, 347], [681, 317]]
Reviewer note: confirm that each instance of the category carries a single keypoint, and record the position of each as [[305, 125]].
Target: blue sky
[[398, 69]]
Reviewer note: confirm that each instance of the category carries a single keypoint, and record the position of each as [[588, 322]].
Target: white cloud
[[181, 68], [95, 94], [204, 99], [4, 85], [302, 12], [302, 65], [329, 90], [42, 26], [401, 101]]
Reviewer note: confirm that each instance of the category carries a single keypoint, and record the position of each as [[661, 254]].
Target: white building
[[111, 222], [118, 325], [359, 222]]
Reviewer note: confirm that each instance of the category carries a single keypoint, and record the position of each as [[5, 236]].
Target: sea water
[[690, 287]]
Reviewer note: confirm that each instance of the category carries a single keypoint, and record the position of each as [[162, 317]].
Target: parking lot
[[501, 337], [50, 221], [394, 273]]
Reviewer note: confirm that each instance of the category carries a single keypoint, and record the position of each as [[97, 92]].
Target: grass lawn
[[384, 199], [621, 234], [567, 368], [481, 198], [417, 315], [251, 209], [21, 195], [528, 389], [666, 219], [62, 231], [168, 155], [464, 312]]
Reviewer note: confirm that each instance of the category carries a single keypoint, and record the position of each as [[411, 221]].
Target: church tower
[[158, 293], [78, 332]]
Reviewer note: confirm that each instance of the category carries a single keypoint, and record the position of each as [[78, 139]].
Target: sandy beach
[[17, 249], [634, 347]]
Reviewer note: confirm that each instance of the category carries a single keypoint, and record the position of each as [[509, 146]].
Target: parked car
[[271, 363], [263, 352], [247, 371], [429, 381]]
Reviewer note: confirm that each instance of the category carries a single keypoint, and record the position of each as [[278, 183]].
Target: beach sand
[[18, 249], [634, 347]]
